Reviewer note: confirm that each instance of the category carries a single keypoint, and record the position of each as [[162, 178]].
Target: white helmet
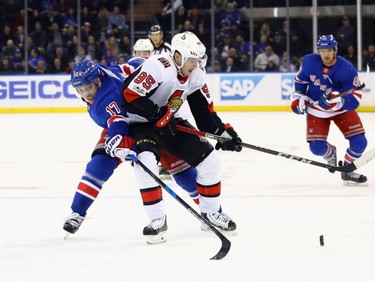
[[143, 45], [189, 46]]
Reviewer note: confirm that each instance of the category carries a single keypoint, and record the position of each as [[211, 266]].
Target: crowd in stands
[[53, 46]]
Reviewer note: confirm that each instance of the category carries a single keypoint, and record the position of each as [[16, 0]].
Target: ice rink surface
[[281, 207]]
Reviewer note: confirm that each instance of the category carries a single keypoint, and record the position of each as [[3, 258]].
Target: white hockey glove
[[120, 146], [299, 102], [331, 102]]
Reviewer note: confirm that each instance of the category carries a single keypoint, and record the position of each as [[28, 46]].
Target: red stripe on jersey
[[151, 195], [130, 95], [88, 189], [126, 69], [211, 107], [209, 190]]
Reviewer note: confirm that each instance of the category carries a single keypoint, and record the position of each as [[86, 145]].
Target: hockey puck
[[321, 240]]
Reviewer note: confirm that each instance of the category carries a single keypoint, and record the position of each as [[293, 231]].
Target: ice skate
[[73, 222], [354, 179], [163, 173], [155, 232], [332, 159], [220, 220]]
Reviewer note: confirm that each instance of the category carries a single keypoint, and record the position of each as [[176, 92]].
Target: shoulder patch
[[164, 62]]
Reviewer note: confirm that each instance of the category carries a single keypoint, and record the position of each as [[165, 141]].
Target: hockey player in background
[[318, 84], [152, 96], [99, 86]]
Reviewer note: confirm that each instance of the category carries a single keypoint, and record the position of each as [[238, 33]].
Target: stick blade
[[224, 250], [365, 158]]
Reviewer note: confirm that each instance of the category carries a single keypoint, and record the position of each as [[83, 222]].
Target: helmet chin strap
[[179, 72]]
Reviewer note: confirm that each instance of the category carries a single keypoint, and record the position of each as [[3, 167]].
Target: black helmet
[[155, 29]]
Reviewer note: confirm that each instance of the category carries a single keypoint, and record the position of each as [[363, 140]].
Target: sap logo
[[287, 86], [237, 87], [42, 89]]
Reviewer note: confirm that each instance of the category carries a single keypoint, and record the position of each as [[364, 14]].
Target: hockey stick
[[360, 87], [356, 164], [225, 243]]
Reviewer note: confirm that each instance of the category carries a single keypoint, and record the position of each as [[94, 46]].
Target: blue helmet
[[326, 42], [84, 73]]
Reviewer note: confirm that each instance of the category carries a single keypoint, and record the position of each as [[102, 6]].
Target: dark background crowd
[[53, 46]]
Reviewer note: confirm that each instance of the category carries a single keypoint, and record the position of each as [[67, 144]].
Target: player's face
[[188, 67], [88, 92], [142, 54], [156, 38], [328, 56]]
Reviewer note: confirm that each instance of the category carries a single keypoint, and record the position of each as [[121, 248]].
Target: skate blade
[[165, 177], [67, 236], [156, 239], [351, 183]]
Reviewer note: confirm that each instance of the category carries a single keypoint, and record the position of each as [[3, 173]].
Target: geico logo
[[43, 89], [236, 87]]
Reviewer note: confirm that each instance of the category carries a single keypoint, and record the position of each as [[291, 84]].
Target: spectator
[[39, 36], [271, 66], [286, 67], [18, 62], [278, 44], [116, 20], [351, 55], [82, 55], [102, 22], [296, 46], [5, 66], [187, 26], [261, 46], [60, 53], [70, 66], [265, 29], [204, 36], [229, 65], [55, 38], [9, 50], [242, 46], [345, 36], [88, 16], [6, 35], [86, 32], [369, 58], [57, 67], [93, 48], [111, 51], [49, 17], [244, 63], [181, 17], [10, 10], [34, 58], [70, 18], [261, 60], [223, 49], [41, 67], [230, 16], [125, 46], [19, 39]]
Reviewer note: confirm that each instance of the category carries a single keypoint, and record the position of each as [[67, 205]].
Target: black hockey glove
[[233, 141], [165, 122]]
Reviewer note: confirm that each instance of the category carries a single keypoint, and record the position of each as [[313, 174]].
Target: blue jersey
[[106, 110], [315, 79]]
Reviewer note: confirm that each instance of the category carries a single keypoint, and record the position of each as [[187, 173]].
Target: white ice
[[281, 208]]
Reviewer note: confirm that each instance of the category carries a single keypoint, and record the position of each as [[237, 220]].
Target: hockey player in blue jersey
[[99, 86], [327, 89]]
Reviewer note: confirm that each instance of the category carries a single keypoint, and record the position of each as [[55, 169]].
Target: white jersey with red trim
[[158, 80]]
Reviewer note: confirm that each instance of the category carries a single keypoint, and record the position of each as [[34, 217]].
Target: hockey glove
[[120, 146], [233, 141], [299, 102], [165, 122], [330, 102]]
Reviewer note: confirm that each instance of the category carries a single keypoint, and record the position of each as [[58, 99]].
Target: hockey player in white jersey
[[152, 97]]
